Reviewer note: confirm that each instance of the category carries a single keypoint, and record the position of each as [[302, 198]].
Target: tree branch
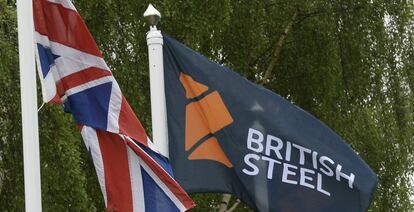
[[263, 54], [224, 202], [234, 206], [278, 48]]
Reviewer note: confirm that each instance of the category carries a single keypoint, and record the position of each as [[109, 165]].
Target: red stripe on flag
[[56, 100], [63, 26], [129, 124], [59, 93], [173, 186], [116, 168], [82, 77]]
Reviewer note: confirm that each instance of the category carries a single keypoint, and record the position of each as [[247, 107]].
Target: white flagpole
[[32, 188], [156, 69]]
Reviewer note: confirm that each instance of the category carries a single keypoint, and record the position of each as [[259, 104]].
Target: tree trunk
[[278, 48], [224, 202]]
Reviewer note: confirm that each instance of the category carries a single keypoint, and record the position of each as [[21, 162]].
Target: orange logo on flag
[[203, 118]]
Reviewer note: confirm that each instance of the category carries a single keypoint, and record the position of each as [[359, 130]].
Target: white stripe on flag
[[65, 3], [157, 180], [152, 146], [76, 60], [42, 40], [92, 144], [137, 188], [48, 83], [87, 85], [114, 108]]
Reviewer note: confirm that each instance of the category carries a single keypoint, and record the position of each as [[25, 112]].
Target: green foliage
[[349, 63]]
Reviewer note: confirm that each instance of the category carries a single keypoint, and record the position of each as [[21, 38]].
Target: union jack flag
[[132, 176]]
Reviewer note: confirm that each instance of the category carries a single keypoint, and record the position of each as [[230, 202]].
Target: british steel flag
[[132, 176]]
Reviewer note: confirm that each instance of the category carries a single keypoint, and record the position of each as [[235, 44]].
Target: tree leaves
[[349, 63]]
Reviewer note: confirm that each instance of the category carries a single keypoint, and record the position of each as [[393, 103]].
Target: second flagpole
[[31, 158], [156, 69]]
